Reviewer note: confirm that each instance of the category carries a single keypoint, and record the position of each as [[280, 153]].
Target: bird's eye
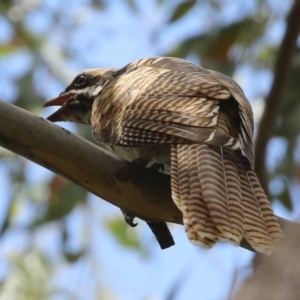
[[81, 80]]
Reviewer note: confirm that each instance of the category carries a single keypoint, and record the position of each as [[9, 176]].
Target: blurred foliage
[[25, 284], [182, 9], [37, 61], [213, 49], [125, 235], [59, 202]]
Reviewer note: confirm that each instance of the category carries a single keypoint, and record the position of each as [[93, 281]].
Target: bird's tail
[[221, 198]]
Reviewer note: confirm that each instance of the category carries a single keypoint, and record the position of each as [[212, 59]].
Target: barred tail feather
[[186, 193], [220, 188], [220, 198], [197, 212], [262, 230], [174, 177], [233, 189], [265, 208], [208, 193]]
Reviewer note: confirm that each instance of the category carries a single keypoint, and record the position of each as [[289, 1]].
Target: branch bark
[[276, 277], [144, 192], [117, 181], [275, 96]]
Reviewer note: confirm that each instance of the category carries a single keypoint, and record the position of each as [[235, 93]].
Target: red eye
[[81, 80]]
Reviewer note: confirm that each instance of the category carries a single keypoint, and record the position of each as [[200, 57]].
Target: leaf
[[289, 125], [30, 278], [73, 257], [280, 189], [285, 199], [132, 5], [181, 10], [213, 48], [99, 5], [287, 166], [5, 5], [203, 45], [70, 255], [124, 234], [63, 197], [28, 91], [6, 49]]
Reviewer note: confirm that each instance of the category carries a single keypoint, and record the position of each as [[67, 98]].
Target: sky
[[122, 273]]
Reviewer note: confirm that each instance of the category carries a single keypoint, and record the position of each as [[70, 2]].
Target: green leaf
[[63, 198], [281, 191], [213, 49], [287, 166], [5, 5], [6, 49], [181, 10], [289, 125], [73, 257], [30, 278], [124, 234], [285, 199]]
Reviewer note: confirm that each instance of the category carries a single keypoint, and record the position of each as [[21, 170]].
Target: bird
[[195, 122], [79, 111]]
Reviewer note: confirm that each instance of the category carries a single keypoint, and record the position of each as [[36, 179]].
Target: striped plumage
[[200, 123]]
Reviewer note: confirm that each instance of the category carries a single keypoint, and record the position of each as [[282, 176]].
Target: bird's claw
[[158, 167], [129, 218]]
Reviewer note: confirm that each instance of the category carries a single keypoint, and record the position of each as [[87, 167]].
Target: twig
[[275, 96]]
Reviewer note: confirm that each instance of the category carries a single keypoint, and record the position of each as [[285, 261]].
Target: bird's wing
[[245, 113], [170, 100]]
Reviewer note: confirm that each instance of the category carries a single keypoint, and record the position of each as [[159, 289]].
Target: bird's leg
[[129, 216], [159, 229]]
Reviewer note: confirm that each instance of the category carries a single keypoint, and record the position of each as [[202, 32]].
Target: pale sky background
[[114, 38]]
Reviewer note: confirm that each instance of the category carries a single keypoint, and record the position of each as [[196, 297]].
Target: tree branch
[[276, 277], [275, 96], [117, 181], [144, 192]]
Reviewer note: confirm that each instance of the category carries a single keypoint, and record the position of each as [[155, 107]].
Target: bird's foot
[[159, 229], [129, 218], [158, 167], [140, 162]]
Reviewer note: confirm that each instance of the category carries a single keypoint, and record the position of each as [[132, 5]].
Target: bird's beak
[[59, 101]]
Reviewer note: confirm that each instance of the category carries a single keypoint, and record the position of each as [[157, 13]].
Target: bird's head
[[77, 99]]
